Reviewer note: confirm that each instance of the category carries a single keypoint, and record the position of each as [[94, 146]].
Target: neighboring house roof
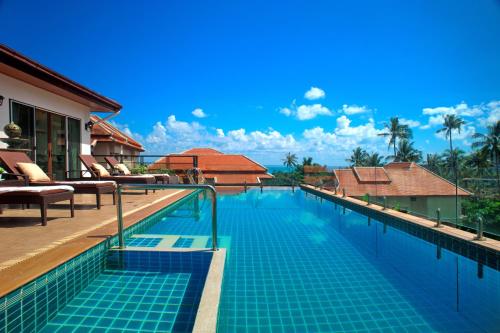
[[224, 168], [25, 69], [105, 132], [201, 151], [394, 179]]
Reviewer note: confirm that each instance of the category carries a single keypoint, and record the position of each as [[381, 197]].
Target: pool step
[[162, 242]]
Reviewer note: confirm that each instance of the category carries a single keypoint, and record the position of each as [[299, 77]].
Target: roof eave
[[21, 63]]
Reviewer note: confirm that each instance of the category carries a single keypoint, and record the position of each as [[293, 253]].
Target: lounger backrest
[[111, 161], [87, 161], [10, 159]]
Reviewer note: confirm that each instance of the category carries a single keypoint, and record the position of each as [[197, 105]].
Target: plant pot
[[12, 130]]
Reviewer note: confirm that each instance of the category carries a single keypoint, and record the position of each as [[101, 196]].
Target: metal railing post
[[214, 220], [119, 213], [480, 230], [385, 203], [119, 209], [438, 218], [245, 186], [368, 200], [343, 193]]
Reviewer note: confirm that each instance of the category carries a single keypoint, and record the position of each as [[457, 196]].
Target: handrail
[[119, 211]]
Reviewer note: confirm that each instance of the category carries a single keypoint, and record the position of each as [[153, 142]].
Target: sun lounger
[[163, 178], [13, 161], [98, 172], [39, 195]]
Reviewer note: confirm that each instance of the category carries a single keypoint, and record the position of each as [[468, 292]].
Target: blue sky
[[249, 65]]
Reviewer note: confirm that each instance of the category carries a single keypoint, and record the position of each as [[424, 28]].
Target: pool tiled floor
[[121, 301]]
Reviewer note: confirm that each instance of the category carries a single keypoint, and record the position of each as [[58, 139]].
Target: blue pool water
[[137, 291], [299, 264]]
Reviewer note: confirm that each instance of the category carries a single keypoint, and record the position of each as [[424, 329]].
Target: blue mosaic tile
[[300, 264], [183, 242], [143, 242]]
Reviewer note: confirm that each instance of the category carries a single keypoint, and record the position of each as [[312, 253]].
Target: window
[[23, 116]]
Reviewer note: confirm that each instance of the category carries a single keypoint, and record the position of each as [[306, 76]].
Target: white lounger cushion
[[136, 176], [83, 182], [34, 189]]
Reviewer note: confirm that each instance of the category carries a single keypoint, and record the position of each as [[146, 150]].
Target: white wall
[[11, 88]]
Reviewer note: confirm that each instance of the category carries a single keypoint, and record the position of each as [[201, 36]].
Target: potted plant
[[2, 171]]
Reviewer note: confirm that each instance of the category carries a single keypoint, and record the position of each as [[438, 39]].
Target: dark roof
[[25, 65], [105, 132]]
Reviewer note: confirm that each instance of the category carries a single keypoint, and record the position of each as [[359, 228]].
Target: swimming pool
[[296, 263]]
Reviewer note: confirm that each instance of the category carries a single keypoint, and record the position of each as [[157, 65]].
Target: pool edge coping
[[208, 308], [488, 244]]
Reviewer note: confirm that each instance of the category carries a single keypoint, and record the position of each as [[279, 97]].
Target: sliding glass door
[[54, 140], [57, 146], [42, 140], [74, 143]]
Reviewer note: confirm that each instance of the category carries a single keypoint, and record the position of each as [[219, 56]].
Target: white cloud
[[175, 136], [314, 93], [306, 112], [492, 114], [286, 111], [409, 122], [220, 132], [365, 131], [466, 132], [354, 109], [199, 113], [436, 115]]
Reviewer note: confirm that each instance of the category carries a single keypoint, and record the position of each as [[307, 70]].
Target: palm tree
[[490, 144], [307, 161], [396, 131], [457, 157], [451, 123], [433, 163], [290, 160], [358, 157], [478, 162], [407, 153], [374, 160]]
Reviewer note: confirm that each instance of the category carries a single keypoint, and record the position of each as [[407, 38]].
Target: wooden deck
[[28, 250]]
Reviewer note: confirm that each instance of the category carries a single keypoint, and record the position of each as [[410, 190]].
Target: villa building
[[405, 185], [107, 140], [217, 168], [52, 111]]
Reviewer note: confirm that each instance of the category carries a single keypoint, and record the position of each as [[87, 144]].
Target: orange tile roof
[[105, 132], [228, 179], [226, 168], [371, 175], [201, 151], [399, 179], [314, 169]]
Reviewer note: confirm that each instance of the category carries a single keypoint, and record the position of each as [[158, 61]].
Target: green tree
[[396, 131], [374, 160], [452, 123], [433, 163], [478, 162], [307, 161], [490, 144], [407, 153], [358, 157], [290, 160]]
